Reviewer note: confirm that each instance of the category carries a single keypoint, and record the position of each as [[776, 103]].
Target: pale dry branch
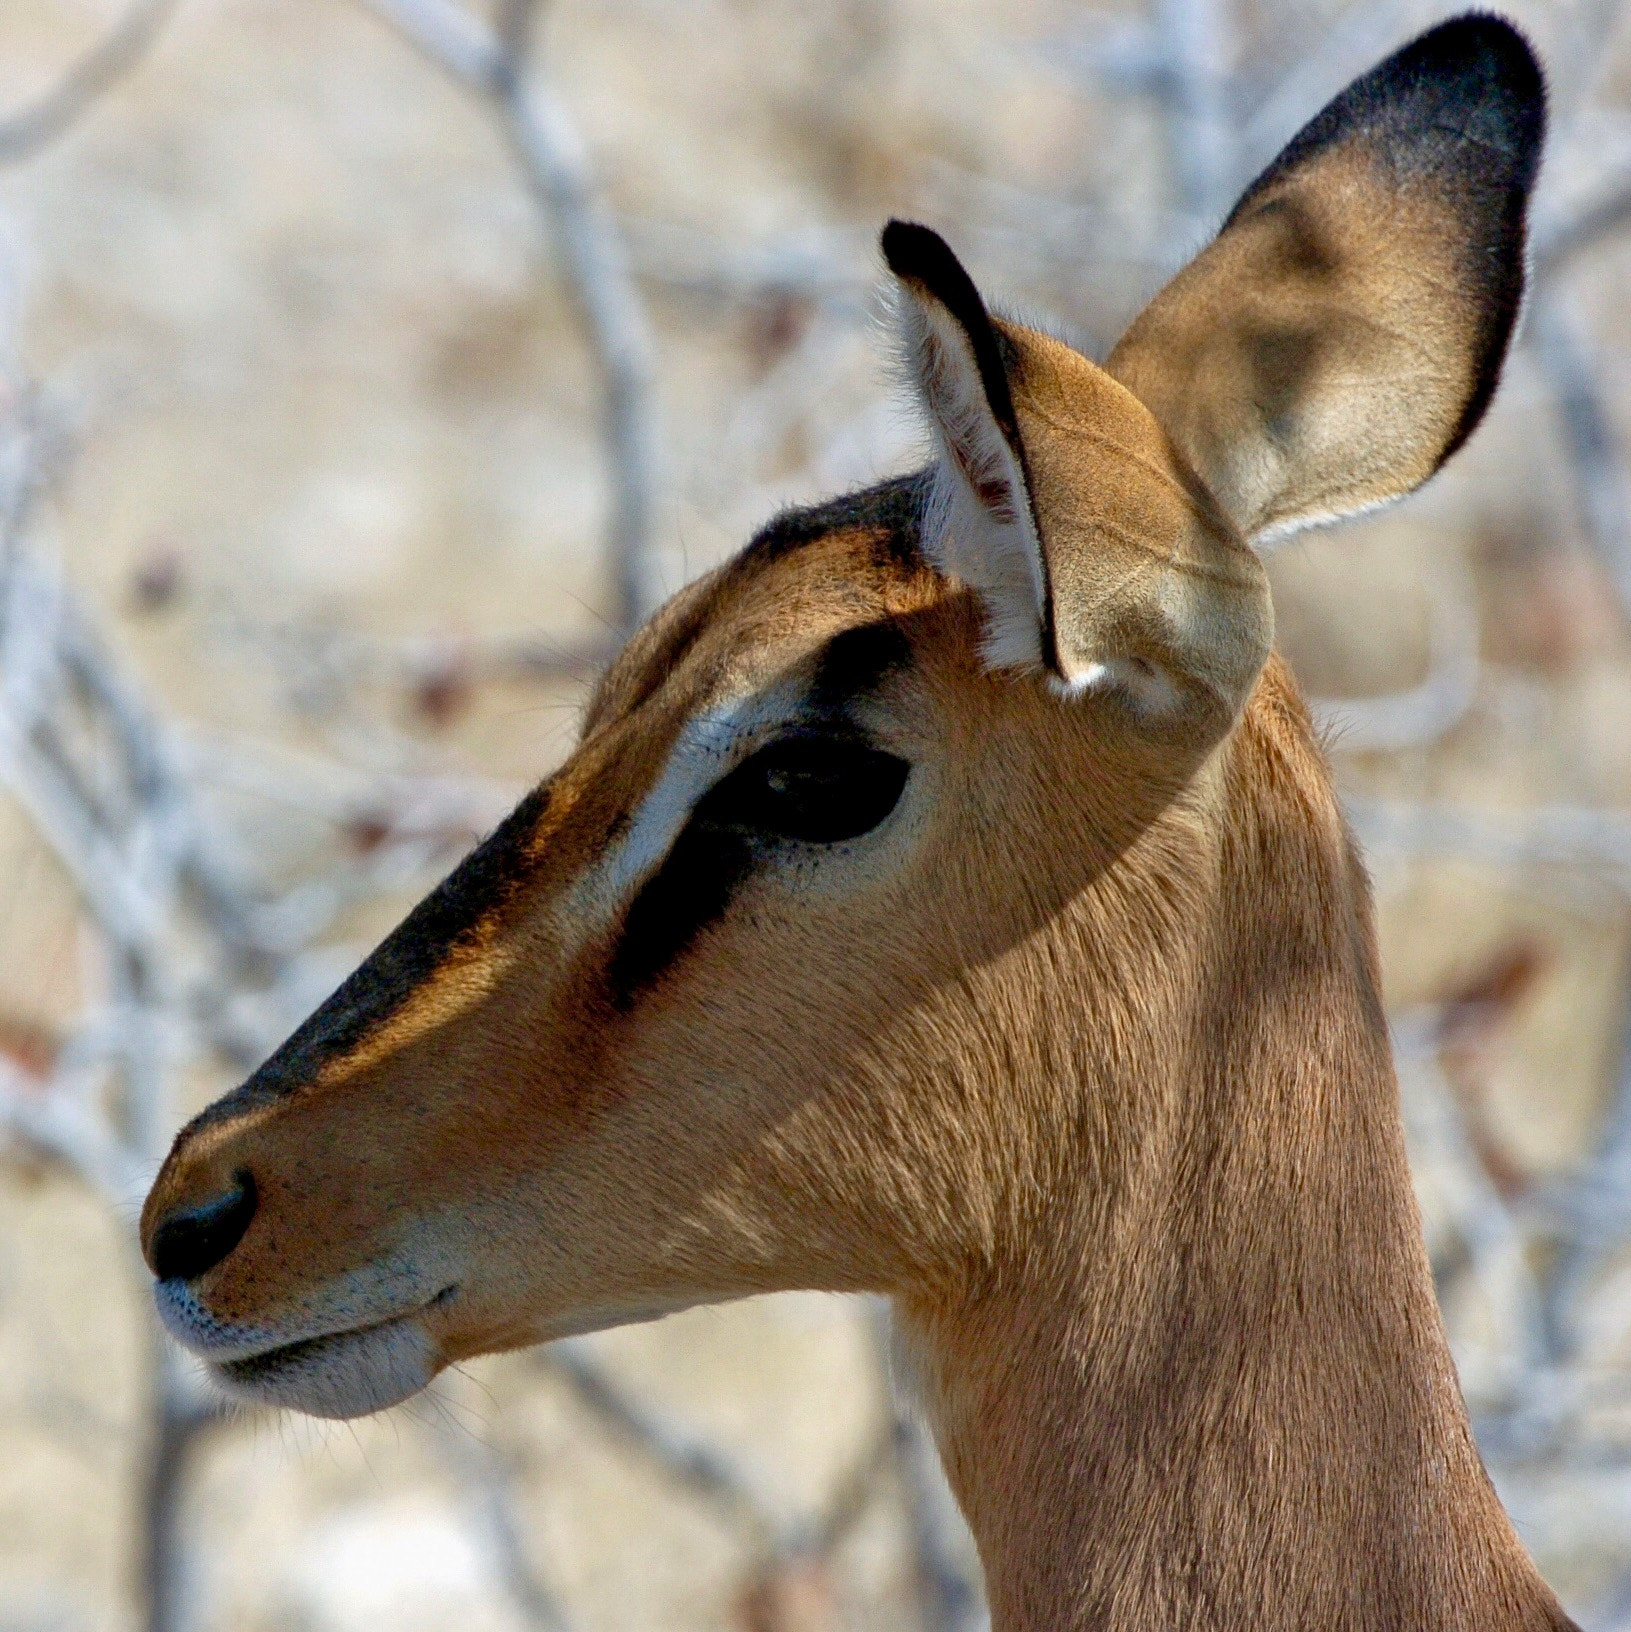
[[949, 1594], [40, 1118], [1596, 842], [688, 1462], [827, 267], [1426, 712], [184, 1415], [555, 165], [90, 762], [949, 1601], [1359, 37], [1445, 1151], [1560, 240], [489, 1480], [25, 132], [326, 673], [1601, 205], [1602, 485], [1197, 49]]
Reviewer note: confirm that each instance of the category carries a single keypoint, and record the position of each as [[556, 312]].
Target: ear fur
[[1344, 333], [1059, 499], [979, 525], [1334, 345]]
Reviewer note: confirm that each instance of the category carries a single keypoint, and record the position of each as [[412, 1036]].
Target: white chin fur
[[350, 1374]]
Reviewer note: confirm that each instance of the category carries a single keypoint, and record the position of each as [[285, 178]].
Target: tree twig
[[1601, 485], [555, 165], [1423, 713], [25, 132], [689, 1462]]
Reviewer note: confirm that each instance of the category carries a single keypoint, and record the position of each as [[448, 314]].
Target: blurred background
[[366, 368]]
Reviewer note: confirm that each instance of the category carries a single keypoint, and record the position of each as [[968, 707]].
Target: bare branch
[[1358, 38], [516, 27], [689, 1462], [1179, 55], [39, 1116], [24, 133], [555, 165], [942, 1549], [1601, 484], [1595, 841], [1557, 242], [490, 1479], [1424, 713], [183, 1416], [1195, 35], [1442, 1142], [450, 37], [827, 267]]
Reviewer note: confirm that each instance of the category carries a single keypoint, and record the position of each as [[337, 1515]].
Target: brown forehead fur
[[847, 552]]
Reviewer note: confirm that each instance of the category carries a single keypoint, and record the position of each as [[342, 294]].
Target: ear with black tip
[[1058, 498], [1344, 333], [982, 529]]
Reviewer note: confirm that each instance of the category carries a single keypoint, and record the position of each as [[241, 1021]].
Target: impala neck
[[1222, 1397]]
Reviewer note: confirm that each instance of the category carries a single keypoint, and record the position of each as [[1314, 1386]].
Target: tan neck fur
[[1221, 1479], [1215, 1390]]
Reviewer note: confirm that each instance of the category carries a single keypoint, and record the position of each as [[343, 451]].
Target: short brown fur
[[1079, 1056]]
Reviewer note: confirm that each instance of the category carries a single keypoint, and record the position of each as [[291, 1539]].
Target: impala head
[[901, 855]]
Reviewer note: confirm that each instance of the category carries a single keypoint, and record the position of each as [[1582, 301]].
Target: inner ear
[[980, 525], [1341, 337]]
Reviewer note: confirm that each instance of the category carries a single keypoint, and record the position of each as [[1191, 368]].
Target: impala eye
[[820, 789]]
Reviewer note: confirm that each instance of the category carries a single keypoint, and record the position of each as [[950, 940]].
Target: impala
[[947, 899]]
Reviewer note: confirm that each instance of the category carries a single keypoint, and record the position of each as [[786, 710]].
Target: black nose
[[197, 1238]]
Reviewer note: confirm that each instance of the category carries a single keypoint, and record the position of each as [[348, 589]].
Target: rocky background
[[365, 367]]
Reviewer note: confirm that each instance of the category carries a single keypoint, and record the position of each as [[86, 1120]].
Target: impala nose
[[194, 1239]]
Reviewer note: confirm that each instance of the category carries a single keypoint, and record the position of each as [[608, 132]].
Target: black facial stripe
[[691, 890], [403, 961], [855, 663], [891, 511], [709, 862]]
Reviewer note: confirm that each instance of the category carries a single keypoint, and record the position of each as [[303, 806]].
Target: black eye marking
[[814, 788], [690, 890]]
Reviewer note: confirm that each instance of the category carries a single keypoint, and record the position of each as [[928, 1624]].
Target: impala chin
[[348, 1374], [343, 1363]]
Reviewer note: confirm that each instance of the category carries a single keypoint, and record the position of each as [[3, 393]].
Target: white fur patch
[[351, 1374], [978, 526], [388, 1287], [710, 745], [1150, 689]]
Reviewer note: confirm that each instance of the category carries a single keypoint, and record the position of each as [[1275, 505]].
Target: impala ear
[[1344, 333], [1057, 496], [982, 528]]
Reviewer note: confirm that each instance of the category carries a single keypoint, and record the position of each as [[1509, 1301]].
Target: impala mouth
[[345, 1374], [350, 1369]]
